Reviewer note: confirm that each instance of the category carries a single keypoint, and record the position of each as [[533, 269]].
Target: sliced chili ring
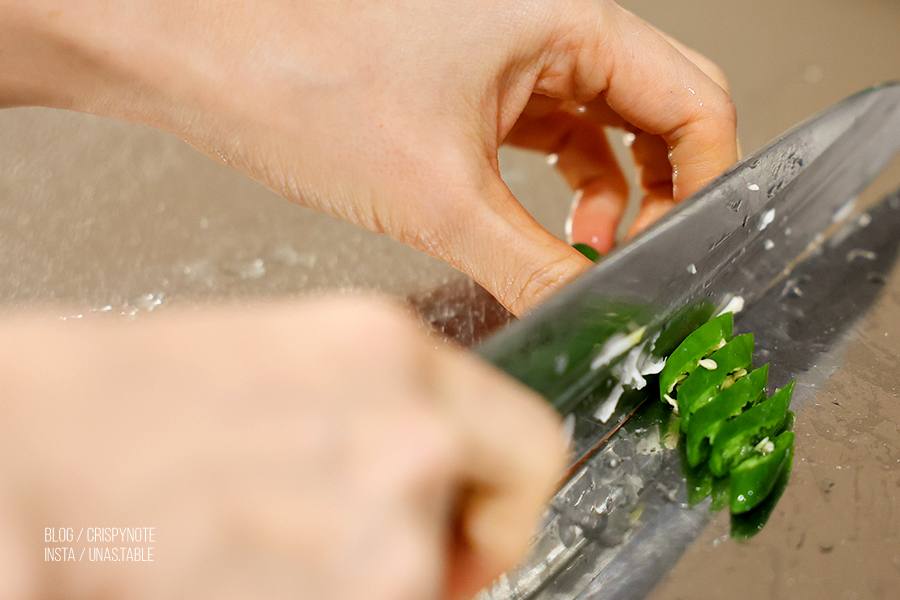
[[737, 436], [705, 340], [752, 480], [703, 384], [709, 418]]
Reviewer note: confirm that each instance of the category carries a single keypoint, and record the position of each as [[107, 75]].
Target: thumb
[[500, 245]]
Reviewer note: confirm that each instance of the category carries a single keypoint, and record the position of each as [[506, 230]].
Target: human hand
[[574, 133], [321, 450], [389, 115]]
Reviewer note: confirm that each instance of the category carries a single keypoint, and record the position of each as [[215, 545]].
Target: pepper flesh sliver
[[702, 385], [705, 340], [738, 436], [709, 418]]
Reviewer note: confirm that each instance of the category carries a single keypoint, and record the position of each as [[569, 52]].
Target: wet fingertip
[[592, 230], [594, 218]]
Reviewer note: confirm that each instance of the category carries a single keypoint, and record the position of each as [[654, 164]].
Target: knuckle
[[530, 287], [730, 110]]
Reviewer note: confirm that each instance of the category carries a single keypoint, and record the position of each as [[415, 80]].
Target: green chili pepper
[[727, 365], [705, 340], [746, 525], [708, 419], [698, 478], [588, 251], [737, 436], [721, 490], [684, 322], [701, 483], [729, 449], [754, 478]]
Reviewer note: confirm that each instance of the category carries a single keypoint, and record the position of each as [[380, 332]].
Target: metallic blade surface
[[731, 240], [803, 335], [623, 518]]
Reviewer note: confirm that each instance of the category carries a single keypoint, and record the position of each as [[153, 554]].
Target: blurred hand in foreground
[[319, 450]]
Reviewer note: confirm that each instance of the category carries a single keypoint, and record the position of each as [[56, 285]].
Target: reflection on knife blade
[[732, 239]]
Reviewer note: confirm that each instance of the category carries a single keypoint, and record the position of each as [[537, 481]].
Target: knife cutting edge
[[726, 246]]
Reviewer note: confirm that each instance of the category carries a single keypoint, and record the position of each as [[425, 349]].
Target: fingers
[[506, 251], [584, 157], [487, 451], [654, 87], [492, 447], [514, 454], [650, 157], [664, 93], [479, 227], [630, 76]]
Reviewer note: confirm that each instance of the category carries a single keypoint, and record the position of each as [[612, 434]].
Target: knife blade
[[618, 526], [729, 242], [620, 522]]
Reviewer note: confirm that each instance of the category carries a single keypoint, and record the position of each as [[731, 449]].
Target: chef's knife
[[618, 524], [729, 242]]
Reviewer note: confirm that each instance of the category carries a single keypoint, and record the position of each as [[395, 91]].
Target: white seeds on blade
[[616, 347], [670, 400], [766, 219]]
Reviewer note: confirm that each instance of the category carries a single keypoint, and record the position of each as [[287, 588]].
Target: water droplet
[[628, 138], [766, 219], [752, 187], [552, 158]]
